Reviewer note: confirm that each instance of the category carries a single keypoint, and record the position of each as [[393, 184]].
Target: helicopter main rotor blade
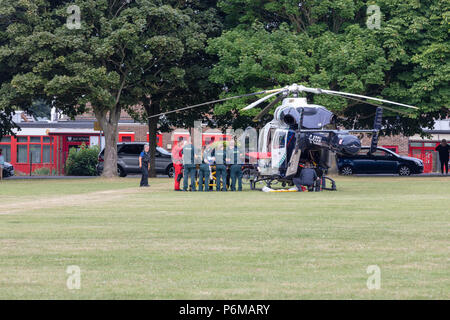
[[254, 104], [267, 108], [373, 104], [301, 88], [214, 101], [347, 95]]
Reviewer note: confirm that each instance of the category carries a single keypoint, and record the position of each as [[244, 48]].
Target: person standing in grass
[[204, 171], [220, 155], [444, 150], [189, 166], [2, 163], [237, 161], [144, 164], [177, 159]]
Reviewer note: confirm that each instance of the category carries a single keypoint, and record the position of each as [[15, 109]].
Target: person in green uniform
[[221, 169], [204, 172], [236, 168], [189, 166]]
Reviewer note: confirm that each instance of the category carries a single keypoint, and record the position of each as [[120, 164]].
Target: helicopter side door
[[279, 151], [264, 148]]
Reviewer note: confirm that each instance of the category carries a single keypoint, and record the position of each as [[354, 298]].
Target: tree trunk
[[152, 131], [152, 109], [109, 122]]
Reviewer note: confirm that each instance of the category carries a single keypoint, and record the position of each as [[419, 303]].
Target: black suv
[[128, 159], [381, 161]]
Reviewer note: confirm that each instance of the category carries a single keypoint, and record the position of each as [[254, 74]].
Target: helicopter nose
[[350, 144]]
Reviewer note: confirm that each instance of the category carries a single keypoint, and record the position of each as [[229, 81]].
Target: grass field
[[153, 243]]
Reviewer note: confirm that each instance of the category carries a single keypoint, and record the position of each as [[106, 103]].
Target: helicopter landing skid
[[324, 184], [270, 180]]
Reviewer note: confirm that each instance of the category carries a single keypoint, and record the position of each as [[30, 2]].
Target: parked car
[[128, 159], [381, 161], [8, 170]]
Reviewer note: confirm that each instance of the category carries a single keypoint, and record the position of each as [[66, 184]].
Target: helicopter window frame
[[270, 136], [280, 139], [312, 116], [332, 125], [261, 141]]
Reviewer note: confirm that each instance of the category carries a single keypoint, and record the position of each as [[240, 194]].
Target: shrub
[[42, 172], [82, 162]]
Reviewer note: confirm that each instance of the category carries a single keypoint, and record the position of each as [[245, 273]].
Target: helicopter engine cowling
[[290, 116], [346, 144]]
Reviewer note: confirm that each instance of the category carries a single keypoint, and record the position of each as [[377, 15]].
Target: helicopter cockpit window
[[316, 118], [332, 125], [281, 141]]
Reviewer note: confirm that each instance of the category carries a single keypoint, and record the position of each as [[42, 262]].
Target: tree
[[415, 37], [98, 66], [27, 52], [40, 109], [328, 44], [13, 21], [179, 76]]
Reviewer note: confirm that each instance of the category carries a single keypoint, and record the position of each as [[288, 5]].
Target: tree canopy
[[120, 53], [328, 44], [153, 53]]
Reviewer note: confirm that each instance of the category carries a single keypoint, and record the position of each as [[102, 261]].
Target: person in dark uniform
[[444, 150], [189, 166], [204, 172], [308, 177], [221, 168], [236, 168], [144, 164]]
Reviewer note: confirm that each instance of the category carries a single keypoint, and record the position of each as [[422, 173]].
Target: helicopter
[[301, 132]]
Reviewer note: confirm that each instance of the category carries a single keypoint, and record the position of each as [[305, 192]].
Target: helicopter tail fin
[[376, 127]]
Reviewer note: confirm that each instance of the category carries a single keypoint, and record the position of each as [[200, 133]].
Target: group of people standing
[[187, 160]]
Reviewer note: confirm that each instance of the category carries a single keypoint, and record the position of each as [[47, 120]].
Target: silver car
[[128, 159], [8, 170]]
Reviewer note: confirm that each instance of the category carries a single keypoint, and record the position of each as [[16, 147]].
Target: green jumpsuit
[[189, 167], [221, 170], [236, 169], [203, 173]]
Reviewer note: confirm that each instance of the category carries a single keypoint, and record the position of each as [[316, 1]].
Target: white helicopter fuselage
[[273, 138]]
